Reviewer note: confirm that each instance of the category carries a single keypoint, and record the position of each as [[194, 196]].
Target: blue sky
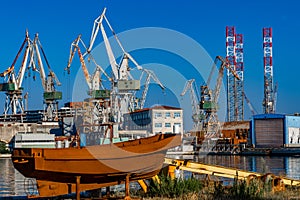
[[59, 22]]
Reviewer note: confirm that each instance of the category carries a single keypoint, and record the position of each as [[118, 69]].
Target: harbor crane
[[124, 85], [93, 81], [197, 112], [13, 82], [122, 100], [209, 99], [96, 90], [51, 96], [120, 71]]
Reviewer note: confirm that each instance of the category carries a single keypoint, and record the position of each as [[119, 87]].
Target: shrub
[[169, 188]]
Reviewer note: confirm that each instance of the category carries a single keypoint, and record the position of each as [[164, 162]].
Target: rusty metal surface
[[98, 166]]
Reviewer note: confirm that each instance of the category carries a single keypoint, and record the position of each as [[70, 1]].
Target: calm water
[[12, 183]]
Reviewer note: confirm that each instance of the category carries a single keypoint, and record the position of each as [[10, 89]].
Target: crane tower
[[235, 87], [239, 64], [269, 90]]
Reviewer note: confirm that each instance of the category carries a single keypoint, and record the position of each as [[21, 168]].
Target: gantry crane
[[13, 82], [209, 99], [197, 112]]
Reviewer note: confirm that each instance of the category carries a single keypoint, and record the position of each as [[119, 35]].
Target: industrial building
[[275, 130], [157, 119]]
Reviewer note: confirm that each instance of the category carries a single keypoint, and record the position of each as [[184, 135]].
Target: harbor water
[[13, 184]]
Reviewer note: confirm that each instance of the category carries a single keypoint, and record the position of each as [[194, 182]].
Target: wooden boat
[[61, 171]]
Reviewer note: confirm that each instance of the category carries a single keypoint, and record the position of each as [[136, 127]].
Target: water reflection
[[12, 182]]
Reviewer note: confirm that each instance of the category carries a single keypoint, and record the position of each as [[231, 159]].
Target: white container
[[67, 144], [58, 144]]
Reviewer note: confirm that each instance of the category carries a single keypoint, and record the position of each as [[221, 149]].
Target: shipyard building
[[275, 130], [157, 119]]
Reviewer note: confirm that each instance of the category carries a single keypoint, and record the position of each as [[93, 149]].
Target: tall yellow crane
[[93, 81]]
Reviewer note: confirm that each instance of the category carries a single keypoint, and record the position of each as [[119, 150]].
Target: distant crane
[[150, 74], [209, 98], [93, 81], [98, 94], [197, 112], [51, 96], [253, 111], [13, 85]]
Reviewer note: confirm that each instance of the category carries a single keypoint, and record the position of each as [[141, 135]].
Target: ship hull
[[97, 166]]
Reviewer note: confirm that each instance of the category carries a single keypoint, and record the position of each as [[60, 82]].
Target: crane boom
[[13, 86], [189, 85], [253, 111], [121, 46], [40, 63], [52, 74], [112, 60], [224, 64], [95, 31], [75, 47], [150, 74], [11, 68], [209, 98], [21, 73], [116, 69]]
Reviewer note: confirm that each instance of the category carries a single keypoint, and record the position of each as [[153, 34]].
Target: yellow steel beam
[[220, 170], [144, 185]]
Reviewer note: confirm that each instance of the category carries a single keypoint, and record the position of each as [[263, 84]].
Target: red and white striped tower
[[269, 92], [230, 57], [239, 84]]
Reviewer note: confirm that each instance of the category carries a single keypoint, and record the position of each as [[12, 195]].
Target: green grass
[[199, 189], [168, 188]]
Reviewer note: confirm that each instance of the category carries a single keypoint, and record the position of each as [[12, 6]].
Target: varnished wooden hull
[[97, 166]]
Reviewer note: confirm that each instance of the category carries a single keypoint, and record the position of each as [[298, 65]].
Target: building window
[[167, 114], [158, 125], [177, 114], [177, 124], [158, 114], [167, 124]]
